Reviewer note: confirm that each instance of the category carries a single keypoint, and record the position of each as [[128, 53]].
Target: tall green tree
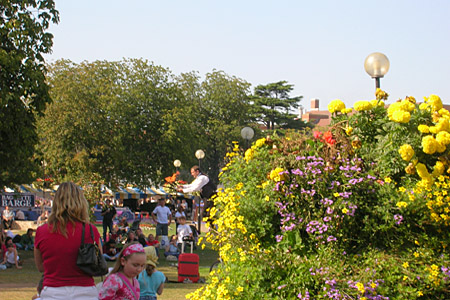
[[107, 118], [273, 106], [23, 91], [223, 110]]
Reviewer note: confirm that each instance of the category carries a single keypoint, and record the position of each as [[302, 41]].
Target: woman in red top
[[57, 244]]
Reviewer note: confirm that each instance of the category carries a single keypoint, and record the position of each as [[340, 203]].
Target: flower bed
[[358, 212]]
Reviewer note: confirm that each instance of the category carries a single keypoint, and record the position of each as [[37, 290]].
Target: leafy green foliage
[[23, 91], [272, 106], [128, 121]]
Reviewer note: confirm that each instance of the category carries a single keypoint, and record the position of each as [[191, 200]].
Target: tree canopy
[[127, 121], [273, 106], [23, 91]]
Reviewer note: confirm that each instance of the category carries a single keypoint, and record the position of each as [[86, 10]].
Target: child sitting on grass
[[171, 248], [11, 257]]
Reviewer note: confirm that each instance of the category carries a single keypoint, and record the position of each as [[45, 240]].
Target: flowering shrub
[[358, 212]]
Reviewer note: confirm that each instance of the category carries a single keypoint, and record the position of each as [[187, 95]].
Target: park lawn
[[20, 284]]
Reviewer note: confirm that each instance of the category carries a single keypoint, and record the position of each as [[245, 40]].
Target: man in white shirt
[[199, 182], [163, 217], [7, 218]]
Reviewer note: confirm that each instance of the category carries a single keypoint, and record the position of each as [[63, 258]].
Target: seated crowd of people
[[124, 234]]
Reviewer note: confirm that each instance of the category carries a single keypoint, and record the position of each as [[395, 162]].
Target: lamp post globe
[[177, 163], [200, 154], [247, 133], [376, 65]]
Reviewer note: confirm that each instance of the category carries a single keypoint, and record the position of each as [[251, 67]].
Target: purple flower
[[331, 239], [281, 286], [398, 219]]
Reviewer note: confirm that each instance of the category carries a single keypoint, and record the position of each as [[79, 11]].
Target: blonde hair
[[118, 265], [69, 205]]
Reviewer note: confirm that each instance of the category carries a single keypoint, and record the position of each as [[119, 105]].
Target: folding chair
[[187, 240]]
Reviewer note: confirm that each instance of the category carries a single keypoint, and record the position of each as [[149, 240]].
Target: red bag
[[188, 267]]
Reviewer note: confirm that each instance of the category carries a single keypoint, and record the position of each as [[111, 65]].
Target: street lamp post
[[376, 65], [44, 165], [247, 133], [200, 155], [177, 163]]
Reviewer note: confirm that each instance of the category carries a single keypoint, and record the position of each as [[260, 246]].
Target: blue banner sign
[[17, 200]]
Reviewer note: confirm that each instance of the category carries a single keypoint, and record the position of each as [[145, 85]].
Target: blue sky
[[318, 46]]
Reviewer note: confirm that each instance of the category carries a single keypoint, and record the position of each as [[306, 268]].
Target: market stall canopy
[[123, 194], [136, 193], [156, 191]]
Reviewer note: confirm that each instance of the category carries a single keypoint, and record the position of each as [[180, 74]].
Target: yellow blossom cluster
[[362, 105], [336, 106], [432, 102], [438, 201], [400, 111], [276, 176], [376, 103], [229, 224], [434, 274], [381, 95], [249, 154], [406, 152], [349, 130]]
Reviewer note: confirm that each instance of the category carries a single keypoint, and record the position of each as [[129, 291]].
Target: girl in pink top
[[121, 283]]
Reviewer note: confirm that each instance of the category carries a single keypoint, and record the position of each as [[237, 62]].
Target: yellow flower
[[443, 137], [362, 105], [419, 293], [422, 171], [346, 110], [360, 287], [416, 255], [349, 130], [406, 152], [402, 204], [387, 180], [439, 169], [424, 128], [434, 101], [429, 144], [335, 106], [405, 278], [405, 265], [275, 174], [401, 116], [380, 94], [344, 210], [249, 154], [260, 142]]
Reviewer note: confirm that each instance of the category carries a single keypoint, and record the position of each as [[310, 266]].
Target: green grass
[[19, 284]]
